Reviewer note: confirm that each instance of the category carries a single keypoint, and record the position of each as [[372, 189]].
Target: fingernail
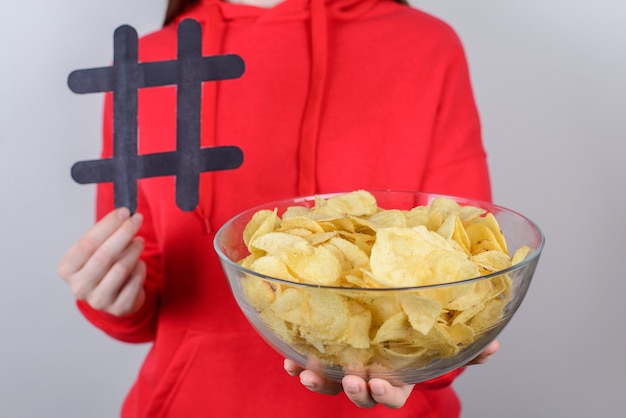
[[123, 213], [351, 389], [308, 383], [377, 390], [137, 218]]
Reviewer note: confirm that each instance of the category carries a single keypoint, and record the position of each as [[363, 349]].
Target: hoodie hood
[[214, 16]]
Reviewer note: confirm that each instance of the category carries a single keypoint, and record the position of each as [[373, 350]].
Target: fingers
[[103, 267], [357, 391], [316, 383], [109, 252], [361, 393], [312, 380], [486, 353], [132, 296], [79, 253], [292, 368], [386, 394], [118, 280], [375, 391]]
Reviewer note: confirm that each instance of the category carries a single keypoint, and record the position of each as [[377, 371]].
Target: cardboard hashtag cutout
[[124, 78]]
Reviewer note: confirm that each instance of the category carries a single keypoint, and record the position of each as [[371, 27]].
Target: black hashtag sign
[[124, 78]]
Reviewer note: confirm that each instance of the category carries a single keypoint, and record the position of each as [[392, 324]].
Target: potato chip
[[395, 327], [416, 216], [489, 316], [262, 222], [490, 221], [318, 266], [453, 230], [320, 237], [491, 260], [389, 218], [421, 311], [299, 222], [348, 241], [357, 331], [482, 238], [273, 266], [326, 315], [351, 252], [295, 211], [400, 357], [260, 293], [404, 257], [276, 243], [288, 306], [356, 203], [520, 255], [381, 305], [468, 213]]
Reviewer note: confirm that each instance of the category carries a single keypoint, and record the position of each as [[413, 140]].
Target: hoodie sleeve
[[140, 326], [457, 162]]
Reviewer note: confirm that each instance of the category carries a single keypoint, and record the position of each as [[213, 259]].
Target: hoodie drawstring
[[309, 130], [212, 39]]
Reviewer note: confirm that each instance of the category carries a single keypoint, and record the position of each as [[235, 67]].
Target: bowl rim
[[530, 259]]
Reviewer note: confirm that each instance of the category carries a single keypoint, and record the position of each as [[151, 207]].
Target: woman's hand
[[103, 267], [367, 394]]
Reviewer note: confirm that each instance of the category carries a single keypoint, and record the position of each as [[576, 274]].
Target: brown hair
[[176, 7]]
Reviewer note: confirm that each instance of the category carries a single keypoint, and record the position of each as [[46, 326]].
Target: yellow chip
[[295, 211], [461, 334], [276, 243], [400, 357], [422, 312], [272, 266], [492, 260], [520, 255], [396, 327], [417, 216], [348, 241], [325, 315], [288, 306], [299, 222], [482, 238], [363, 241], [357, 331], [489, 316], [321, 237], [440, 342], [404, 257], [468, 213], [356, 203], [491, 223], [439, 209], [260, 293], [476, 293], [381, 305], [351, 252], [318, 266], [452, 229], [262, 222], [389, 218]]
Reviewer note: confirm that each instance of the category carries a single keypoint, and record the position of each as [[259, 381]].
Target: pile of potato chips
[[366, 253]]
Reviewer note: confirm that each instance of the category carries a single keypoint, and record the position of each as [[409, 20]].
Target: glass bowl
[[339, 330]]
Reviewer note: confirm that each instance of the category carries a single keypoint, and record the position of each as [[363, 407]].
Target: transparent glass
[[398, 362]]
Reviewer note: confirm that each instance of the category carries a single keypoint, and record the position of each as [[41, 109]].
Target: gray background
[[550, 84]]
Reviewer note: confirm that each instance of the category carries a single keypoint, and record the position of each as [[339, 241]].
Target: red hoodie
[[337, 95]]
